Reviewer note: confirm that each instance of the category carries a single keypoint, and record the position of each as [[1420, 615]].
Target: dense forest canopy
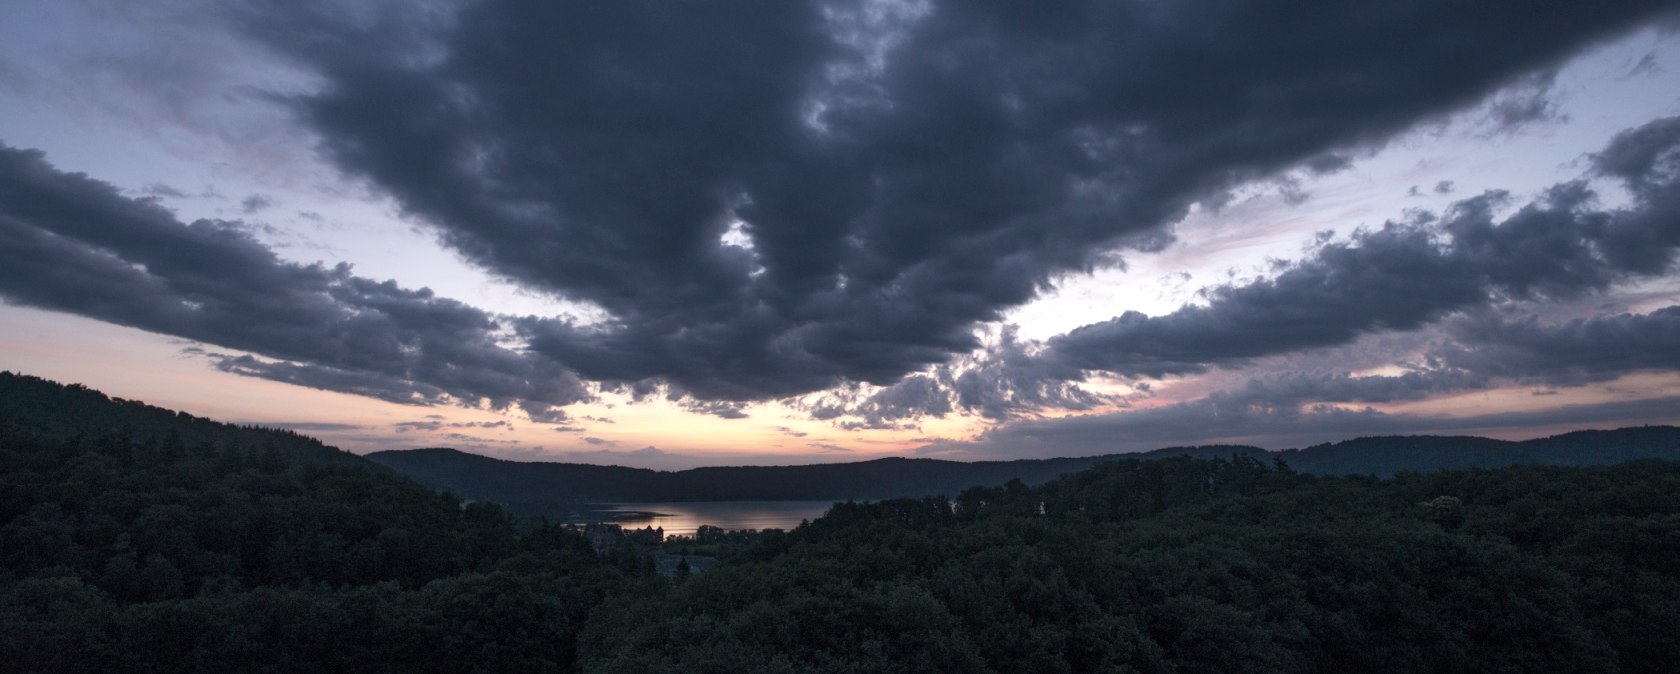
[[137, 539]]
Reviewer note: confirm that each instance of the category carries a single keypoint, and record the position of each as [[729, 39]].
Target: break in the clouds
[[774, 198], [1571, 353]]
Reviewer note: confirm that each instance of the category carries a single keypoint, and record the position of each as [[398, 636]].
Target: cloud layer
[[71, 243], [1459, 271], [1404, 275], [775, 198], [804, 201]]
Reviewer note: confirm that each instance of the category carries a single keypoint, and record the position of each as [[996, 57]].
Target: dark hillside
[[1384, 456], [1187, 565], [51, 410], [123, 547], [137, 539]]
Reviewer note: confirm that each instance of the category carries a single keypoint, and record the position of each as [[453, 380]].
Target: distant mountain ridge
[[544, 486], [1385, 456], [50, 409]]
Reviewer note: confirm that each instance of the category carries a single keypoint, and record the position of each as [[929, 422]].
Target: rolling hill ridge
[[547, 488]]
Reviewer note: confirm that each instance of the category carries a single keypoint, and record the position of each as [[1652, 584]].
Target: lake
[[684, 518]]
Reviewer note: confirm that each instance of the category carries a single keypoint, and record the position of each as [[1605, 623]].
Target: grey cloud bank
[[896, 189], [769, 200], [1406, 274], [71, 243]]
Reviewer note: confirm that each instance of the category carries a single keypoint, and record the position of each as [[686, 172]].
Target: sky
[[672, 234]]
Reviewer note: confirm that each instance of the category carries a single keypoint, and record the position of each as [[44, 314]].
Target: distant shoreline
[[604, 515]]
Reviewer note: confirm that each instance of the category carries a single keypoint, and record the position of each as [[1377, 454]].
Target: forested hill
[[1188, 565], [133, 538], [1387, 456], [541, 487], [47, 409], [124, 547]]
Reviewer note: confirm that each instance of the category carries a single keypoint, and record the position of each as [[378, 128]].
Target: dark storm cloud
[[1408, 274], [1393, 278], [1296, 387], [70, 243], [355, 382], [1004, 380], [1646, 157], [1401, 276], [1009, 378], [912, 397], [899, 178], [255, 203], [1528, 102], [722, 409], [897, 406], [1579, 351]]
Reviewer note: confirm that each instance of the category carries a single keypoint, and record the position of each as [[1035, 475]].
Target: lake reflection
[[684, 518]]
